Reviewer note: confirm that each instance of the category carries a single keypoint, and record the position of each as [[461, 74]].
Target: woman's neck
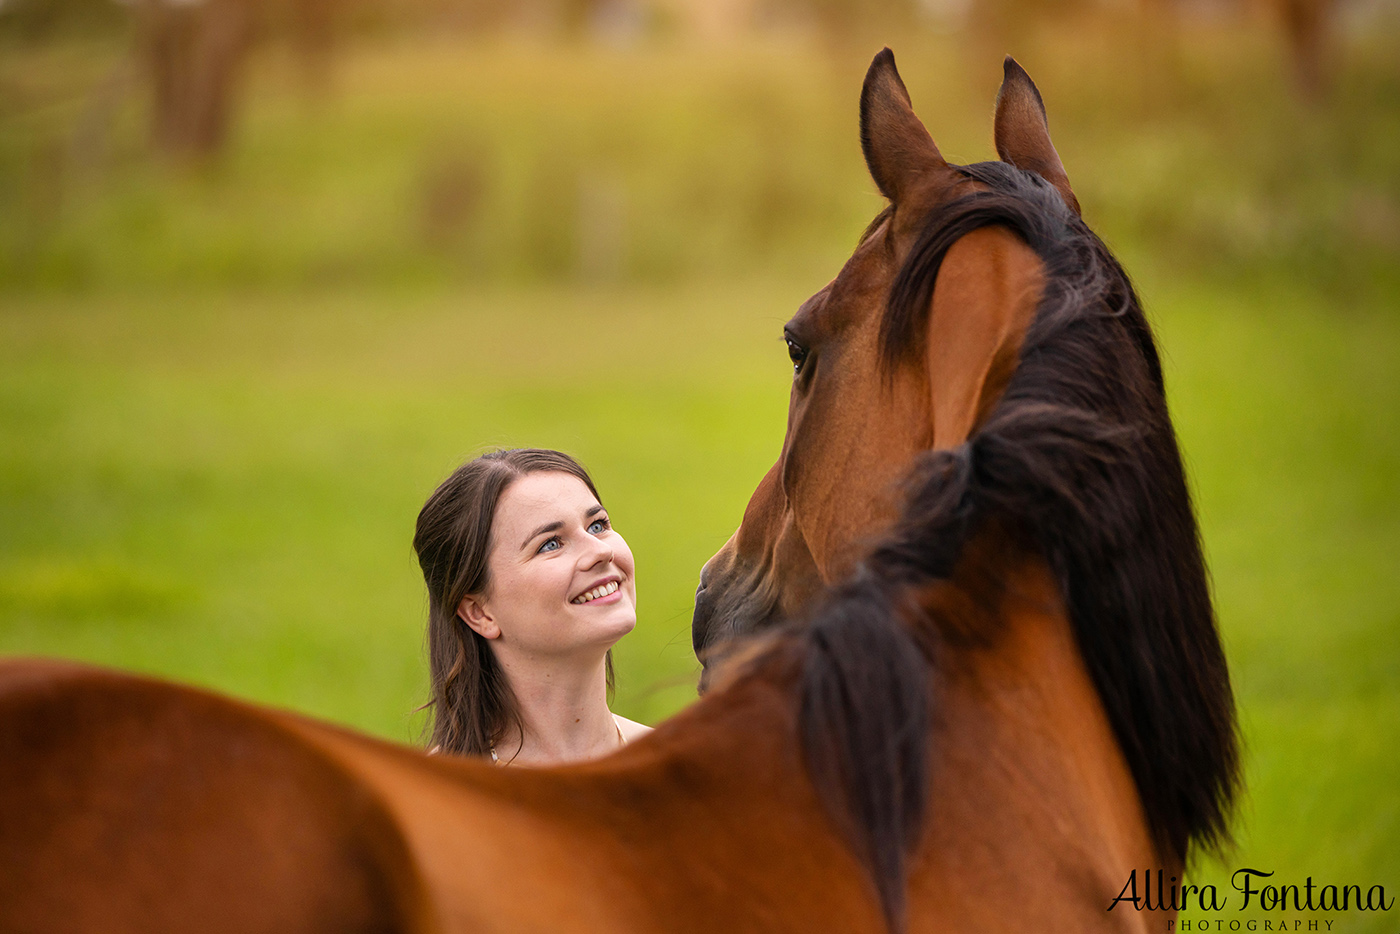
[[564, 714]]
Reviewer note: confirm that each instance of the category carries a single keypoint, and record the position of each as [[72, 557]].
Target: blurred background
[[270, 269]]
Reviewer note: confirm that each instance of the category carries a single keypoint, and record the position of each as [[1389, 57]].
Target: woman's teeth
[[596, 592]]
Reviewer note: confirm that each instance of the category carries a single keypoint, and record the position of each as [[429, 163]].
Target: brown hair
[[472, 703]]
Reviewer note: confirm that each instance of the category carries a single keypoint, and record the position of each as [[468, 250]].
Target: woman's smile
[[605, 592]]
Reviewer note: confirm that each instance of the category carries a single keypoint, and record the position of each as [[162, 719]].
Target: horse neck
[[1033, 813]]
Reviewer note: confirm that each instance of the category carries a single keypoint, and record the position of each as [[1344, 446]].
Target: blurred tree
[[1002, 25], [845, 20], [1308, 31], [36, 19], [193, 52], [608, 20], [576, 15], [313, 34], [1308, 26], [710, 20]]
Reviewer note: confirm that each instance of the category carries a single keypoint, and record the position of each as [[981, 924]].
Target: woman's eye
[[796, 353], [598, 526], [550, 544]]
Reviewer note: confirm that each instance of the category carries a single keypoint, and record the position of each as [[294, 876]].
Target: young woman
[[529, 587]]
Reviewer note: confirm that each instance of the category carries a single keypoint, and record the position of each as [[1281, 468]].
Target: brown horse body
[[941, 742], [134, 805]]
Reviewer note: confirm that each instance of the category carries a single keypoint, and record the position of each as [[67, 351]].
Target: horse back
[[128, 804]]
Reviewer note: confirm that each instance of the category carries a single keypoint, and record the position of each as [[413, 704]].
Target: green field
[[225, 392], [224, 490]]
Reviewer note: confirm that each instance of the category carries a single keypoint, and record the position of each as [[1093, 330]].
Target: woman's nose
[[600, 553]]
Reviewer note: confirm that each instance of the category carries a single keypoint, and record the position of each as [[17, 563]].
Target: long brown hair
[[472, 704]]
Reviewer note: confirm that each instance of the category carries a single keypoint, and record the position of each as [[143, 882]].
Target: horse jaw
[[738, 591]]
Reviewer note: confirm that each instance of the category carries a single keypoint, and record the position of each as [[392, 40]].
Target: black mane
[[1080, 459]]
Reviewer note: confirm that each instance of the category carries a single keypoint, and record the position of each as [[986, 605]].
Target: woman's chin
[[604, 620], [612, 623]]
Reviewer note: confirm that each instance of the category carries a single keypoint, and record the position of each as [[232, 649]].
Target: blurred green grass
[[226, 390], [1286, 403], [224, 490]]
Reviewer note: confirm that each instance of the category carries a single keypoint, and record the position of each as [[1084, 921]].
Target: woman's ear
[[475, 614]]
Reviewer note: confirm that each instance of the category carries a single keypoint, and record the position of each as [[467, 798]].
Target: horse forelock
[[1080, 457]]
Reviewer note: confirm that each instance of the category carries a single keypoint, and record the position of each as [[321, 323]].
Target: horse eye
[[796, 353]]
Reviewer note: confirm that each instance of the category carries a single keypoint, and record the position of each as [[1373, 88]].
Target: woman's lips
[[606, 592]]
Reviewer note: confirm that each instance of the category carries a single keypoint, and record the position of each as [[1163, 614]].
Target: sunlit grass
[[224, 490], [1286, 405]]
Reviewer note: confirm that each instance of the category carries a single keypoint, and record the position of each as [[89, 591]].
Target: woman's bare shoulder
[[630, 728]]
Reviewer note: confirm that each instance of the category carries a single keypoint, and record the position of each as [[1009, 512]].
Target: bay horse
[[927, 746], [1014, 678]]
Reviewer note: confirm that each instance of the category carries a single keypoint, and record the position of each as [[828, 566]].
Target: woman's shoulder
[[630, 729]]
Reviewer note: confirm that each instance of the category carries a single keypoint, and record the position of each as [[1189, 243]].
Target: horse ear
[[898, 150], [1021, 133], [984, 299]]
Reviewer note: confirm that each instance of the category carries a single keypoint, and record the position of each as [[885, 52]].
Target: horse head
[[860, 412]]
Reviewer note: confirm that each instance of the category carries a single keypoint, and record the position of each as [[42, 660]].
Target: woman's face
[[561, 580]]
